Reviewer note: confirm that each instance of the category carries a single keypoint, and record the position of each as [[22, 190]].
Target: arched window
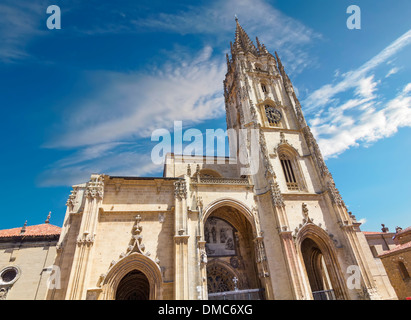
[[290, 176], [264, 87], [404, 272]]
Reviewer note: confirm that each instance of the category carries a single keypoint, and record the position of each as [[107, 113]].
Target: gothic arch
[[246, 262], [326, 247], [230, 202], [285, 148], [133, 262], [289, 157]]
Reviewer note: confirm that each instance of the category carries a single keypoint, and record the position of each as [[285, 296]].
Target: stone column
[[181, 284]]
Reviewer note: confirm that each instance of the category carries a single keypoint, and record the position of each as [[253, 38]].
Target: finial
[[236, 18], [278, 58], [23, 229], [258, 43], [384, 229], [48, 218]]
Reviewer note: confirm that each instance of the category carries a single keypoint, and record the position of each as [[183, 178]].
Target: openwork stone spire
[[242, 42]]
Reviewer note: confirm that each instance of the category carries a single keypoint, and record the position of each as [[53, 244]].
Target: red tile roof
[[403, 231], [44, 229], [401, 247], [373, 232]]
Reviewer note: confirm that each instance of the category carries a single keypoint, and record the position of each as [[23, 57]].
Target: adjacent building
[[397, 262], [26, 261]]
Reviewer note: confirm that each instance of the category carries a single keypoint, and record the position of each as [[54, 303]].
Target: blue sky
[[87, 97]]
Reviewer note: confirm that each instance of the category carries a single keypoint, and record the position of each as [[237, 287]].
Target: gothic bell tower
[[303, 217]]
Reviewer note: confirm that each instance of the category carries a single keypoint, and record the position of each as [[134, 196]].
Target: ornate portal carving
[[219, 279], [219, 237]]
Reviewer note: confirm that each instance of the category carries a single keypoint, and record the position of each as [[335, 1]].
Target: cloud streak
[[352, 79], [19, 24], [126, 108], [353, 111], [278, 31], [132, 105]]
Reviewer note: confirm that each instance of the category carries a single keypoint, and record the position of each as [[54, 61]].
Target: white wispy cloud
[[354, 111], [392, 71], [132, 105], [126, 108], [129, 161], [370, 123], [19, 24], [258, 17], [327, 93]]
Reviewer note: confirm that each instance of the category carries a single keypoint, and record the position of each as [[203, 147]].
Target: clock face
[[273, 115]]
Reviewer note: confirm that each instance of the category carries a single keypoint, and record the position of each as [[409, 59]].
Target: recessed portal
[[134, 286], [317, 272], [232, 272]]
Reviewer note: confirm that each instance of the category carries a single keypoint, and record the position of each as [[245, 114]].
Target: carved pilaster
[[276, 196], [261, 258], [180, 189], [80, 271]]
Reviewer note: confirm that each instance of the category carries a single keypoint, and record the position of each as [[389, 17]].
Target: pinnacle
[[242, 41]]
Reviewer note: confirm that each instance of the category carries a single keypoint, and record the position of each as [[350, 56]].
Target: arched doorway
[[319, 257], [133, 270], [133, 286], [232, 272], [317, 272]]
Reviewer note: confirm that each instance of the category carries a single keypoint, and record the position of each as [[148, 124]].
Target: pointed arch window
[[264, 87], [290, 176]]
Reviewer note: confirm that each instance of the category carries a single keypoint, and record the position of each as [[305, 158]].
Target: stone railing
[[215, 180]]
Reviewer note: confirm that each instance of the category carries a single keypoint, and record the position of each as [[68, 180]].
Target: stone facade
[[266, 223]]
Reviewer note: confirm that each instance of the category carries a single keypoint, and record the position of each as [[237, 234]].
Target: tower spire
[[242, 42]]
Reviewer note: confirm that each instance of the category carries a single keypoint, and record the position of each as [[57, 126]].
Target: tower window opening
[[289, 173], [258, 67], [264, 88]]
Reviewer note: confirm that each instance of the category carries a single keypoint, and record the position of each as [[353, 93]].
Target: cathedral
[[270, 227]]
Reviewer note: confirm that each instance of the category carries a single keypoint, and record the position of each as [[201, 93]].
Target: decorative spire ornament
[[48, 218]]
